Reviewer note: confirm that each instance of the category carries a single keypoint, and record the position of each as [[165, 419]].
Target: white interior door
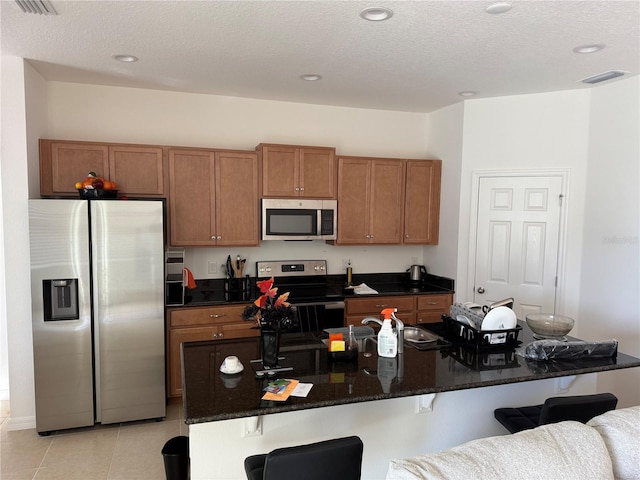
[[517, 241]]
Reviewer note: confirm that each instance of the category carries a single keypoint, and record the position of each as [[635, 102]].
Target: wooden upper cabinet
[[422, 202], [191, 197], [137, 170], [370, 196], [237, 199], [297, 171], [213, 198], [62, 164]]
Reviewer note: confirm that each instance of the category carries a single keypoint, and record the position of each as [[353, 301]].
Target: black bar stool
[[580, 408], [340, 458]]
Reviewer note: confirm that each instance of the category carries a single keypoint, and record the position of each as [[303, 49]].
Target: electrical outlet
[[213, 268]]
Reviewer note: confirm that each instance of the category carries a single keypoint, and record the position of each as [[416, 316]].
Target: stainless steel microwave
[[299, 219]]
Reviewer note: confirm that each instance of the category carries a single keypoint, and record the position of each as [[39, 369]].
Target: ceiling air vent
[[601, 77], [41, 7]]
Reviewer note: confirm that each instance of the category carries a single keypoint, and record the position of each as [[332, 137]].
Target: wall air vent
[[601, 77], [41, 7]]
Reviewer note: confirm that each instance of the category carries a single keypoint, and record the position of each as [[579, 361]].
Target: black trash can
[[176, 458]]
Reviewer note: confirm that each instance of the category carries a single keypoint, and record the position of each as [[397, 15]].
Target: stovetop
[[306, 280]]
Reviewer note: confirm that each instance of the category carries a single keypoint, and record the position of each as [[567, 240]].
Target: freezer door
[[61, 314], [128, 286]]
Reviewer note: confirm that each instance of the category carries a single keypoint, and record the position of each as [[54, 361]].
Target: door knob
[[480, 290]]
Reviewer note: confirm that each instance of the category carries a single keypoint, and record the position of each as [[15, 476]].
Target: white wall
[[88, 112], [16, 78], [610, 280], [445, 143], [545, 131]]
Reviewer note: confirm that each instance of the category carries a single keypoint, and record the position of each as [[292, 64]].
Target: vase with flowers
[[272, 314]]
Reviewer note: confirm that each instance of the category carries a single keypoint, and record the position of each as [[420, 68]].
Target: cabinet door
[[191, 197], [317, 173], [62, 164], [431, 307], [422, 202], [176, 337], [280, 171], [237, 214], [385, 208], [136, 170], [353, 200]]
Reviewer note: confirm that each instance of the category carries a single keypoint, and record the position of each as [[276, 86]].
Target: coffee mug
[[231, 363]]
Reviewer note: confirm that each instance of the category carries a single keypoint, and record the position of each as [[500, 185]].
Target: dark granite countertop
[[210, 395], [212, 292]]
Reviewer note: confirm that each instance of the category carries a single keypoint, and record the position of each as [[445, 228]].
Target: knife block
[[237, 289]]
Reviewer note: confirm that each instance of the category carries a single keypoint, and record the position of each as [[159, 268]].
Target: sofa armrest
[[620, 430], [568, 450]]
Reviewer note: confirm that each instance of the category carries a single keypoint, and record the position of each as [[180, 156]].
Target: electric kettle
[[416, 273]]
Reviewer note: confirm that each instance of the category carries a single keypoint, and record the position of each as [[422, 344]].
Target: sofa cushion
[[620, 430], [562, 451]]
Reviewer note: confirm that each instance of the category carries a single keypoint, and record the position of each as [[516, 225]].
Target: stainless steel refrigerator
[[97, 290]]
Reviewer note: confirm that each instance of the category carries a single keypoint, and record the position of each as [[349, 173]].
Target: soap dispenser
[[387, 339]]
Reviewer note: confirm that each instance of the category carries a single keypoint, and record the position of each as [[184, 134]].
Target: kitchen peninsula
[[390, 405]]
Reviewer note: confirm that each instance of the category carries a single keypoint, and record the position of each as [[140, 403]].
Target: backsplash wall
[[364, 258]]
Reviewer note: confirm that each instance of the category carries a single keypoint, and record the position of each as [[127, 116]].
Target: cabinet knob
[[406, 235], [220, 335], [302, 189], [297, 189], [215, 335], [217, 315]]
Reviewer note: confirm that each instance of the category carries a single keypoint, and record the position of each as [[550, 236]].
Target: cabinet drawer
[[440, 303], [373, 305], [206, 315], [239, 330]]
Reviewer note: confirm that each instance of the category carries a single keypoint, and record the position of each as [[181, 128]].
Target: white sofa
[[608, 447]]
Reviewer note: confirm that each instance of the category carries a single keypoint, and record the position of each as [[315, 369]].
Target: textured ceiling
[[417, 61]]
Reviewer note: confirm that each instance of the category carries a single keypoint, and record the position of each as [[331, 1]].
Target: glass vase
[[269, 347]]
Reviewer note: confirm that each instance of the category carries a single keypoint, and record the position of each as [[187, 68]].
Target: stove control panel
[[291, 268]]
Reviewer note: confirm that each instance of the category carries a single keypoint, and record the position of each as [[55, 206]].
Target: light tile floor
[[127, 451]]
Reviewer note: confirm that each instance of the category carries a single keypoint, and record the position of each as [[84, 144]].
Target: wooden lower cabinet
[[193, 324], [358, 308], [431, 307], [412, 309]]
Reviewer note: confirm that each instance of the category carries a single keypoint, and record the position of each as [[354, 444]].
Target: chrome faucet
[[399, 328]]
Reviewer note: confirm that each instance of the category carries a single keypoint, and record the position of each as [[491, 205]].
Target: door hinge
[[560, 197], [556, 281]]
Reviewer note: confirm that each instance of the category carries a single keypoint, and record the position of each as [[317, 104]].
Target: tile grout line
[[113, 452]]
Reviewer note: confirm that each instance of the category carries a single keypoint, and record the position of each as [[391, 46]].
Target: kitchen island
[[389, 403]]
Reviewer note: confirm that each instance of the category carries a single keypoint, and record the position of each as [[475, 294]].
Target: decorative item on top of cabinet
[[137, 169], [213, 198], [422, 202], [193, 324], [370, 199], [297, 171]]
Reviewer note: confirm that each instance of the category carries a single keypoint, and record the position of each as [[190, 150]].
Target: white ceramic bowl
[[548, 325], [499, 318]]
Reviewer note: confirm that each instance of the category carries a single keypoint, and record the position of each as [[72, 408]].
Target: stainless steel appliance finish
[[306, 280], [299, 219], [97, 287]]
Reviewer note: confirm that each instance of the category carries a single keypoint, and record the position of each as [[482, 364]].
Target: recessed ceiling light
[[601, 77], [497, 8], [311, 77], [376, 14], [467, 93], [124, 58], [596, 47]]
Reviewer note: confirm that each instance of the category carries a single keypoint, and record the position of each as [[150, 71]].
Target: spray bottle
[[387, 339]]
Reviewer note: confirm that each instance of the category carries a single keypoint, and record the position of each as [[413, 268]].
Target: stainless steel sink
[[415, 335]]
